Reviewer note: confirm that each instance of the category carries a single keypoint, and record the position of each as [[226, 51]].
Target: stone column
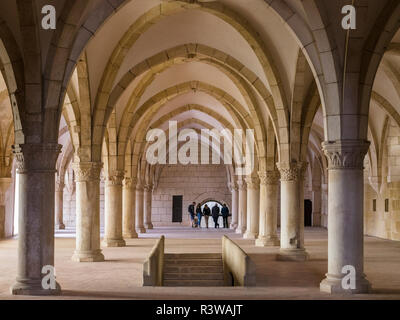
[[87, 178], [316, 202], [253, 208], [234, 209], [268, 209], [345, 218], [128, 209], [292, 211], [113, 210], [148, 194], [242, 216], [59, 203], [139, 209], [36, 169], [5, 183]]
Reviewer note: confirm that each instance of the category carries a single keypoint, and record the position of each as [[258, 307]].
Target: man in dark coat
[[215, 215], [225, 215]]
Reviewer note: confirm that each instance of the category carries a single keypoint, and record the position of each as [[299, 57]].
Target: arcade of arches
[[76, 104]]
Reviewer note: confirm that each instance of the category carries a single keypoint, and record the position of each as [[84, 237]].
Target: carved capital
[[346, 154], [148, 188], [87, 171], [37, 157], [269, 177], [129, 183], [116, 178], [253, 183], [242, 185], [293, 171], [233, 187]]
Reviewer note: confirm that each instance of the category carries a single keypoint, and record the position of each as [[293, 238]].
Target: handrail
[[239, 269], [154, 265]]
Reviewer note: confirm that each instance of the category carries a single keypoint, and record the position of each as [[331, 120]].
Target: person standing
[[199, 215], [191, 213], [215, 215], [206, 214], [225, 215]]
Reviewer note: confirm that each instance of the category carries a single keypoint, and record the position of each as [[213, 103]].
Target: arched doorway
[[211, 203]]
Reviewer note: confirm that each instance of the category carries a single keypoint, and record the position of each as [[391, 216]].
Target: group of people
[[196, 214]]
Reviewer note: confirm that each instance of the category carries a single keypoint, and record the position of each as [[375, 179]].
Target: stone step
[[194, 276], [193, 262], [174, 256], [193, 283], [191, 269]]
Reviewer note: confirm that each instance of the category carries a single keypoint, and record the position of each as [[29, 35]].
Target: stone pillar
[[268, 209], [147, 197], [87, 178], [128, 209], [5, 183], [242, 216], [36, 169], [253, 208], [345, 218], [316, 202], [59, 203], [292, 211], [234, 209], [113, 210], [139, 209]]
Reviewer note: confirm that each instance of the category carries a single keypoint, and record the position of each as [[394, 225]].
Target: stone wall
[[195, 183]]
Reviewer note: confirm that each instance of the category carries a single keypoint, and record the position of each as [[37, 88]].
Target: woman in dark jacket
[[199, 214]]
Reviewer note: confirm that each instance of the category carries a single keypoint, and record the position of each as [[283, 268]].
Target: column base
[[88, 256], [149, 226], [33, 288], [130, 235], [263, 241], [240, 230], [332, 284], [292, 255], [113, 243], [141, 230], [60, 226], [250, 235], [233, 226]]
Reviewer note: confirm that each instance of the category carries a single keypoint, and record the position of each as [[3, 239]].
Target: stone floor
[[120, 276]]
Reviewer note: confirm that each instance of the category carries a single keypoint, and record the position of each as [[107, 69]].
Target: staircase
[[193, 270]]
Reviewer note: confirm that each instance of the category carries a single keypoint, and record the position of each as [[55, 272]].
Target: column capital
[[129, 182], [242, 185], [346, 154], [148, 187], [115, 178], [87, 171], [253, 183], [292, 171], [269, 177], [37, 157], [232, 187]]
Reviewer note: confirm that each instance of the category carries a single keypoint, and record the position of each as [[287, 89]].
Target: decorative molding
[[269, 177], [293, 171], [116, 178], [253, 183], [346, 154], [87, 171]]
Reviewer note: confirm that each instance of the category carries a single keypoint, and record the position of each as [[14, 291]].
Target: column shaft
[[139, 209], [345, 218], [253, 208], [128, 209], [234, 209], [242, 216], [36, 167], [113, 210], [148, 194], [292, 211], [268, 209], [59, 204], [87, 177], [5, 183]]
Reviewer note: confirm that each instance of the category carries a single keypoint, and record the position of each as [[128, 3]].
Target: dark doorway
[[307, 213], [177, 208]]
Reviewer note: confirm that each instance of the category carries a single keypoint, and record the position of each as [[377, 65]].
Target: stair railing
[[154, 265]]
